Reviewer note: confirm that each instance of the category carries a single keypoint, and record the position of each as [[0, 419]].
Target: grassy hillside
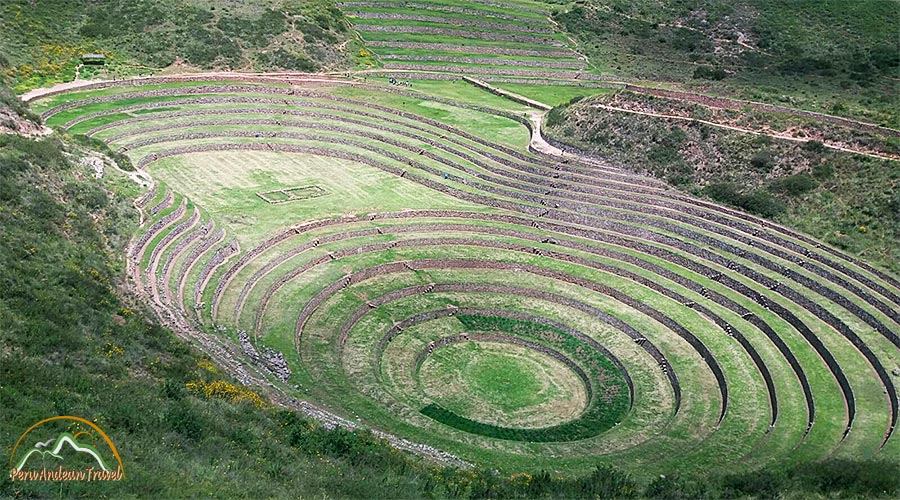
[[848, 200], [14, 114], [43, 41], [841, 57]]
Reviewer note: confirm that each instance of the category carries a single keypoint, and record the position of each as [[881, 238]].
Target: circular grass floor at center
[[503, 384]]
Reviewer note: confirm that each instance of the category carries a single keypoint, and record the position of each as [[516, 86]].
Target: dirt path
[[746, 131], [538, 143]]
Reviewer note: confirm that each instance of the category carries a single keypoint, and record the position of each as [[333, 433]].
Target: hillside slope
[[42, 42], [833, 56]]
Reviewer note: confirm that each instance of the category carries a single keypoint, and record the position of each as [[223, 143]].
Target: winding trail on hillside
[[745, 131]]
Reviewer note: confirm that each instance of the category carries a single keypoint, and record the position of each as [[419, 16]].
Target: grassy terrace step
[[432, 29], [534, 11], [797, 330], [398, 47], [446, 12], [480, 62], [363, 19], [433, 54], [483, 69], [462, 16], [462, 40]]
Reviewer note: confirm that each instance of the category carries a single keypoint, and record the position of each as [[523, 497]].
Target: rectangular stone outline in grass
[[285, 195]]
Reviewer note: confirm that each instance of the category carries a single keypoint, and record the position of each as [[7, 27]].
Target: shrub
[[762, 484], [814, 146], [88, 195], [724, 192], [184, 420], [675, 487], [284, 59], [763, 161], [709, 73], [44, 154], [823, 171], [122, 160], [662, 153], [794, 185], [850, 478], [758, 202], [606, 482], [762, 203], [555, 116]]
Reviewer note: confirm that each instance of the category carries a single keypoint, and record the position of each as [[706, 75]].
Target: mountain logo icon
[[53, 448], [66, 448]]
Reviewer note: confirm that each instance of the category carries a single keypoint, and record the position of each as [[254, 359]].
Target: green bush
[[555, 116], [794, 185], [666, 150], [663, 153], [757, 202], [182, 419], [814, 146], [709, 73], [762, 203], [675, 487], [763, 161], [823, 171], [121, 159], [284, 59]]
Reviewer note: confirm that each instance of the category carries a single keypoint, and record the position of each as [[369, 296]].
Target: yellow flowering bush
[[221, 389]]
